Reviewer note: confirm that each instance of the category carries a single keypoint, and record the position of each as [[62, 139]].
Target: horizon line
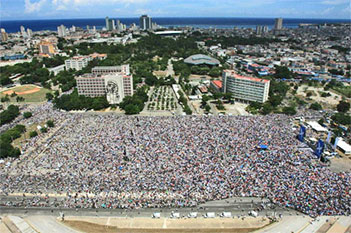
[[155, 17]]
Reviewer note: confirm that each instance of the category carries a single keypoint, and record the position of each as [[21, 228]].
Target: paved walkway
[[48, 224]]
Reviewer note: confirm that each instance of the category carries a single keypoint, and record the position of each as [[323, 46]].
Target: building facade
[[102, 70], [145, 22], [115, 86], [77, 62], [61, 31], [245, 88], [278, 24]]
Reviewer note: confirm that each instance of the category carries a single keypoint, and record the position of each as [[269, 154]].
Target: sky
[[64, 9]]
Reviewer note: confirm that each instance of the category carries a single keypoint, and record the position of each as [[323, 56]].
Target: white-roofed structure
[[344, 147], [201, 59], [316, 126]]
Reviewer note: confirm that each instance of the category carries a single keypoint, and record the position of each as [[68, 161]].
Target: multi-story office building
[[29, 32], [115, 86], [4, 36], [101, 70], [145, 22], [278, 24], [77, 62], [23, 31], [110, 24], [61, 31], [245, 88]]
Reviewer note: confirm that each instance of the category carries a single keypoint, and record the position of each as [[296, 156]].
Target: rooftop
[[199, 59], [218, 83], [232, 73]]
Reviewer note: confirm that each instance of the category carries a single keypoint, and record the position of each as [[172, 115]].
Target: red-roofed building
[[245, 88], [216, 85]]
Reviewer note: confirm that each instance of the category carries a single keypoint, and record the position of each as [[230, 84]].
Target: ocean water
[[51, 24]]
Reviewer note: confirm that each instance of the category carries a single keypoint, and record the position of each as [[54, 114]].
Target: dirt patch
[[92, 228], [34, 90]]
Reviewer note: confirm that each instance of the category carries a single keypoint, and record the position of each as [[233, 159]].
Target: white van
[[226, 215], [192, 215], [175, 215], [210, 215], [156, 215]]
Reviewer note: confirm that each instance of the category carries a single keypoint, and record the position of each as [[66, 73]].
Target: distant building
[[145, 22], [110, 24], [278, 24], [245, 88], [61, 31], [77, 62], [57, 69], [261, 29], [46, 47], [102, 70], [200, 59], [4, 36], [23, 31], [114, 85], [29, 32]]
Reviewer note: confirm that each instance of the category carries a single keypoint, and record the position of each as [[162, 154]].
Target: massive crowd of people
[[110, 161]]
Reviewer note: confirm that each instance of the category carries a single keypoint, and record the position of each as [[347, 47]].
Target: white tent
[[316, 126], [346, 148]]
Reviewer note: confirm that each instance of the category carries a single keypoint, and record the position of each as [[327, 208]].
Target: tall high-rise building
[[107, 23], [61, 31], [110, 24], [23, 31], [278, 24], [259, 29], [29, 32], [4, 36], [145, 22]]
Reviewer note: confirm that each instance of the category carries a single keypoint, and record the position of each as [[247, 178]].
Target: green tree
[[49, 96], [33, 134], [50, 123], [289, 110], [267, 108], [44, 130], [132, 109], [341, 118], [343, 106], [316, 106], [27, 114]]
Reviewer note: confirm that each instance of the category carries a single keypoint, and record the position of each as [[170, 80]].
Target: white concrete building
[[61, 31], [100, 70], [57, 69], [77, 62], [245, 88], [115, 86]]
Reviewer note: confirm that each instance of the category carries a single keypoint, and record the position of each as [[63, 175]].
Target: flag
[[302, 133], [329, 137], [319, 148], [336, 142]]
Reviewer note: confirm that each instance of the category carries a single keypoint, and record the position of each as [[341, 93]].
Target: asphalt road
[[237, 206]]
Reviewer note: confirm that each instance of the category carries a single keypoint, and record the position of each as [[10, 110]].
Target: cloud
[[95, 2], [335, 2], [30, 7]]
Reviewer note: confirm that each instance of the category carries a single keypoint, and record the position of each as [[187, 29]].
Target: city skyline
[[65, 9]]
